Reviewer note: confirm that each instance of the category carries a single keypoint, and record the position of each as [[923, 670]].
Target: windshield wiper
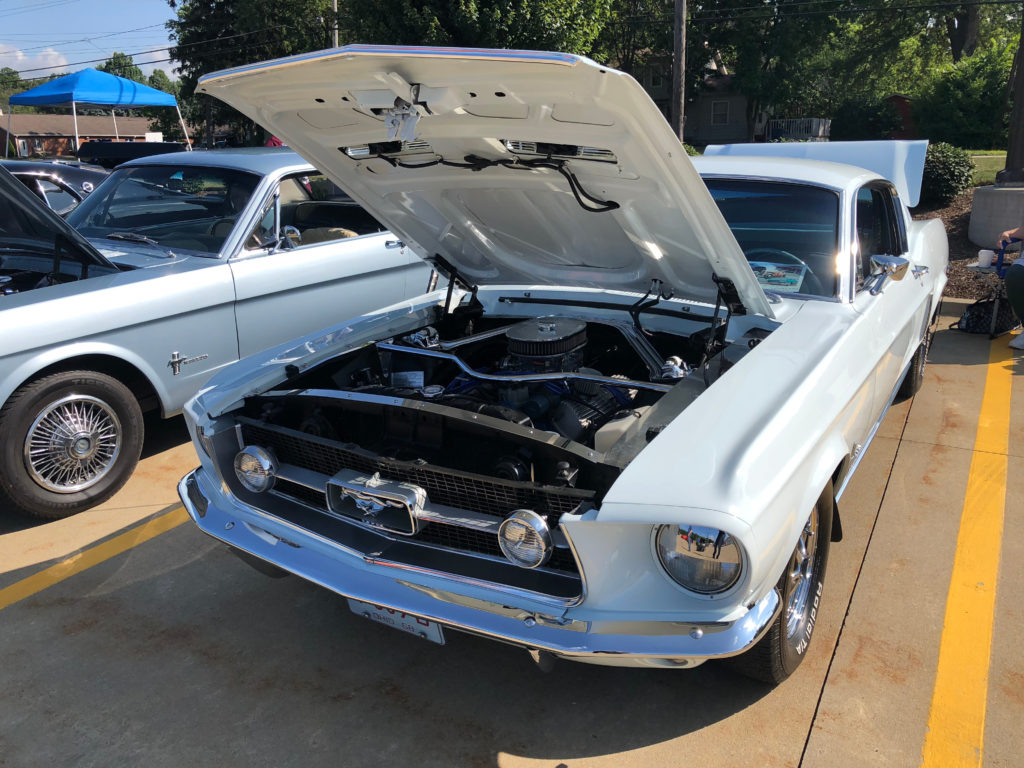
[[135, 237]]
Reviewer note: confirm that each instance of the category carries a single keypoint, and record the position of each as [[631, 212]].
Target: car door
[[300, 268], [898, 313]]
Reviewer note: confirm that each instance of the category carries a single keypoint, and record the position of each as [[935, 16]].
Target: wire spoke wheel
[[72, 444]]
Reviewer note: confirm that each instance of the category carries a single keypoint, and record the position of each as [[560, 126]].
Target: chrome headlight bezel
[[534, 524], [265, 463], [736, 555]]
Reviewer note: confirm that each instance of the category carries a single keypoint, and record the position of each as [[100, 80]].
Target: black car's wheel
[[71, 440], [777, 655], [914, 377]]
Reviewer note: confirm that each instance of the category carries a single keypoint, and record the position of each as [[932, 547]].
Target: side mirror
[[884, 267]]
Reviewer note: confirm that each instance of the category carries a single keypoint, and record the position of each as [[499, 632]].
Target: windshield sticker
[[782, 278]]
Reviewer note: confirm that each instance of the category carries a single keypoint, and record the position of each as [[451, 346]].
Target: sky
[[39, 37]]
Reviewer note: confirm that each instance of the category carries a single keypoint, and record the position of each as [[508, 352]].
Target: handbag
[[978, 317]]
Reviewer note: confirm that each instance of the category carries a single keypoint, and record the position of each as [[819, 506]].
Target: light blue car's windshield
[[789, 232], [174, 206]]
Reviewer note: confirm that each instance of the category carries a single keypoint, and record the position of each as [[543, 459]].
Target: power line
[[162, 48], [91, 38]]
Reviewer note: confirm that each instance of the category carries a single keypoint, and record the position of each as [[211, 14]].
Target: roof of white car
[[261, 160], [818, 172]]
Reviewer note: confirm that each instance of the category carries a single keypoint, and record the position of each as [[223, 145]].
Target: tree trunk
[[962, 32], [1014, 170]]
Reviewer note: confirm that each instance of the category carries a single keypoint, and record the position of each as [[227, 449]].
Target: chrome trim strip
[[558, 376]]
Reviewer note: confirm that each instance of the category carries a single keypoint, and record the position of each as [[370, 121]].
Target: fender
[[46, 358]]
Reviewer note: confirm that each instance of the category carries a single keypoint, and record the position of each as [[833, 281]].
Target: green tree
[[122, 65], [965, 104], [209, 35], [571, 26]]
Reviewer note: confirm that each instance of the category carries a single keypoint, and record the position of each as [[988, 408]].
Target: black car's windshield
[[789, 232], [176, 206]]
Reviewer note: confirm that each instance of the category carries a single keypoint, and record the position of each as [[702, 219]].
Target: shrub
[[691, 151], [860, 119], [964, 104], [948, 171]]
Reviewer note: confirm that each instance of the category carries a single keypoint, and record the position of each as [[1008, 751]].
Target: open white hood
[[650, 216]]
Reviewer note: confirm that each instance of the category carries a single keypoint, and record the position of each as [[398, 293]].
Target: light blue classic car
[[193, 261]]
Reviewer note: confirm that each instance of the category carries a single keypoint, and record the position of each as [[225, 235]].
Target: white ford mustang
[[617, 431]]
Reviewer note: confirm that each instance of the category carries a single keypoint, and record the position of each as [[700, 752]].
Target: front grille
[[443, 486], [436, 534]]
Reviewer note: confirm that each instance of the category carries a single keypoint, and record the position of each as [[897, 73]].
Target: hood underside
[[515, 167]]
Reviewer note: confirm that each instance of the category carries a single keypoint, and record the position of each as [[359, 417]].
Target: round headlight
[[704, 560], [524, 539], [256, 468]]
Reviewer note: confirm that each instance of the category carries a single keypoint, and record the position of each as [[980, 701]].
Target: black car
[[61, 184]]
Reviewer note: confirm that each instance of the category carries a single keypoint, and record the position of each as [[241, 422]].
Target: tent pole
[[116, 136], [74, 114], [188, 144], [7, 141]]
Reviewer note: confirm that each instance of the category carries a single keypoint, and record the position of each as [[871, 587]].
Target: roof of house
[[63, 125]]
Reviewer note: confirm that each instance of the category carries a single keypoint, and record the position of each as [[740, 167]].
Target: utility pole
[[679, 68], [334, 22]]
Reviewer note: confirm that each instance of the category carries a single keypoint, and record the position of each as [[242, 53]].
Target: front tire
[[71, 441], [914, 377], [777, 655]]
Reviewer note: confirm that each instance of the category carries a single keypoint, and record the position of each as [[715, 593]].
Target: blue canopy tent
[[95, 88]]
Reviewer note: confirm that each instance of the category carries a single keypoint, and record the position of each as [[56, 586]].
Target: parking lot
[[129, 638]]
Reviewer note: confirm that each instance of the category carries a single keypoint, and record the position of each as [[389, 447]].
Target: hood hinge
[[728, 295]]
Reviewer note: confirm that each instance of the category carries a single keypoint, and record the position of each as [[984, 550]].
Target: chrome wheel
[[801, 570], [72, 444]]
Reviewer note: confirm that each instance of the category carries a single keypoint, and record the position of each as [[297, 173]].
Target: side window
[[880, 228], [58, 198], [264, 234]]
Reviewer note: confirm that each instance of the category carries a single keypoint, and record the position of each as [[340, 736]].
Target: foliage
[[546, 25], [690, 150], [164, 119], [965, 103], [864, 119], [948, 171], [122, 65], [214, 34]]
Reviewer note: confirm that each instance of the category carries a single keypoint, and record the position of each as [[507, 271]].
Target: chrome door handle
[[919, 271]]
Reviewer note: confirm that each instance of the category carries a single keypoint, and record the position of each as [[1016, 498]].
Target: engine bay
[[555, 400]]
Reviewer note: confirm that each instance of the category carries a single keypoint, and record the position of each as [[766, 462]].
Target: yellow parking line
[[47, 577], [956, 723]]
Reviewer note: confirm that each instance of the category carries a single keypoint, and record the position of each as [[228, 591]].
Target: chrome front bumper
[[678, 644]]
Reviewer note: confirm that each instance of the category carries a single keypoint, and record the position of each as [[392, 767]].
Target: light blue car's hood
[[138, 255]]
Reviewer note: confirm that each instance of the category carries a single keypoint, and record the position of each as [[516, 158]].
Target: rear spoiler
[[901, 162]]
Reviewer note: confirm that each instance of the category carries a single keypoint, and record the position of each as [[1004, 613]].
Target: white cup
[[985, 257]]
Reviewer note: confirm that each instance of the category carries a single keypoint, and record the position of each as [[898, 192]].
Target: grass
[[987, 163]]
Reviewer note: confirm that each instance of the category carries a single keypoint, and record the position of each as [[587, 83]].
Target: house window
[[657, 81], [719, 112], [37, 145], [22, 147]]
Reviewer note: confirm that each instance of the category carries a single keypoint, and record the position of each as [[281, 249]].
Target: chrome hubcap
[[72, 444], [801, 567]]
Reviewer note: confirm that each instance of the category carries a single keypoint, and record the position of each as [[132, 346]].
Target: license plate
[[414, 625]]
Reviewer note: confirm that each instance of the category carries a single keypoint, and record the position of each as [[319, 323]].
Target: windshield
[[788, 232], [172, 206]]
